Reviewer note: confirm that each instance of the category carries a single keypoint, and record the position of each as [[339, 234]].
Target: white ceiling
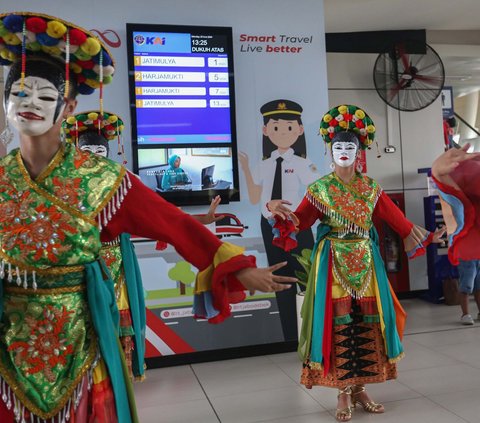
[[461, 60], [377, 15]]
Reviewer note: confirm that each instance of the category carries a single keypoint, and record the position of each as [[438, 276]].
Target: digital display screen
[[182, 99]]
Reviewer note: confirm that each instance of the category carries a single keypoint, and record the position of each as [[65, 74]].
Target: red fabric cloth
[[286, 228], [102, 404], [146, 214], [160, 245], [6, 415], [306, 213], [96, 406], [387, 211], [465, 244], [226, 288]]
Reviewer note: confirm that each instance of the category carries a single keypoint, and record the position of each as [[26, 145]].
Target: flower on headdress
[[360, 114], [359, 124], [339, 118], [35, 46], [62, 45], [71, 120], [13, 23], [30, 37], [323, 131], [85, 64], [107, 70], [52, 50], [92, 83], [91, 46], [112, 118], [46, 40], [343, 109], [92, 116], [7, 55], [343, 124], [56, 29], [36, 24], [370, 129], [82, 54], [75, 68], [11, 39], [327, 118], [77, 37]]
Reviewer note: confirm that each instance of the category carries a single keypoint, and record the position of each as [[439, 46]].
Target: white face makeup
[[99, 150], [344, 153], [34, 113]]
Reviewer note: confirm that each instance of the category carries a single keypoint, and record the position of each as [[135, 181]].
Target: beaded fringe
[[114, 243], [11, 400], [114, 204], [348, 226], [354, 293], [14, 275]]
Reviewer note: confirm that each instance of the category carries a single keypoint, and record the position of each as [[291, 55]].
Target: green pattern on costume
[[352, 262], [348, 208], [112, 256], [47, 337], [346, 203], [50, 344], [50, 222]]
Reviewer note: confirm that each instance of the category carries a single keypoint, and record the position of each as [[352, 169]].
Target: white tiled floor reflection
[[439, 381]]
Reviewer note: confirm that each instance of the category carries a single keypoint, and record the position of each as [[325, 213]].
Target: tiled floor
[[439, 382]]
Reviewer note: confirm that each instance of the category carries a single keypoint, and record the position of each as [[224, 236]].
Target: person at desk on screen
[[174, 175]]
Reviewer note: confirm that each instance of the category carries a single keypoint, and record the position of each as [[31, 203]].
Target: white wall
[[417, 137]]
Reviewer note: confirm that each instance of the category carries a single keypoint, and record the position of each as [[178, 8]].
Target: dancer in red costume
[[457, 175]]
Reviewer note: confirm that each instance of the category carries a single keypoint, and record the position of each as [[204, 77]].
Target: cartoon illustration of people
[[284, 173]]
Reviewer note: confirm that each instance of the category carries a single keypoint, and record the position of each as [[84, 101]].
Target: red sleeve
[[307, 214], [387, 210], [146, 214]]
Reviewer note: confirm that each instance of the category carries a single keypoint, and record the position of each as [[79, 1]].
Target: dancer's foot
[[360, 396], [344, 406]]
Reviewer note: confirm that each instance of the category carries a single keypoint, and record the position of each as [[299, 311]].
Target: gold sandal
[[368, 406], [344, 414]]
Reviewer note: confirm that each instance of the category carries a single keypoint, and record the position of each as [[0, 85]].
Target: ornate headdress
[[348, 118], [89, 60], [106, 124]]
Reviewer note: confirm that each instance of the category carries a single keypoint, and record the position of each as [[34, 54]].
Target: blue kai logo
[[139, 39], [155, 41]]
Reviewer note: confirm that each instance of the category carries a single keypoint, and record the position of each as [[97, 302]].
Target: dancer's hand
[[279, 208], [438, 234], [210, 216], [263, 279], [449, 160]]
